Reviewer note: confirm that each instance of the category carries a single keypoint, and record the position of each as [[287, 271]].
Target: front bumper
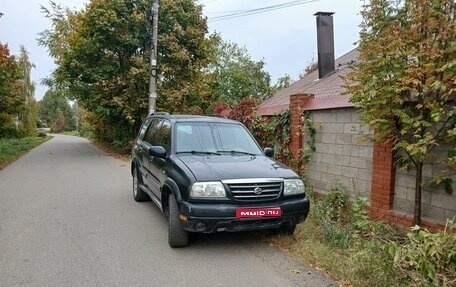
[[213, 217]]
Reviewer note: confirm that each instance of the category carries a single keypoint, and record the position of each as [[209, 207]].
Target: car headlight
[[293, 186], [208, 189]]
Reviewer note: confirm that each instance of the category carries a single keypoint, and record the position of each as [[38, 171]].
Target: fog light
[[200, 226]]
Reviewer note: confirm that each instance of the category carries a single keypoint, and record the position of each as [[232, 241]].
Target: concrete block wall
[[437, 205], [342, 155]]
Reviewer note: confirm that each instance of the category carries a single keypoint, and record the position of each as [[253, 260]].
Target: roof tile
[[327, 87]]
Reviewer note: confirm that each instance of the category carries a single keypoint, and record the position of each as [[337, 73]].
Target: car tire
[[177, 236], [288, 229], [138, 194]]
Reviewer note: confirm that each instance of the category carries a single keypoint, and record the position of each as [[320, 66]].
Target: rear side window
[[164, 138], [152, 133], [143, 129]]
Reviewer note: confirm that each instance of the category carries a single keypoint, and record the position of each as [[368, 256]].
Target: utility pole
[[153, 18]]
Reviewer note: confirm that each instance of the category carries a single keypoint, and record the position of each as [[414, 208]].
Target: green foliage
[[376, 254], [52, 102], [102, 53], [403, 83], [309, 131], [17, 102], [11, 100], [275, 132], [339, 237], [29, 114], [312, 66], [329, 216], [282, 83], [429, 258], [58, 124], [236, 75], [86, 130], [11, 149], [269, 132]]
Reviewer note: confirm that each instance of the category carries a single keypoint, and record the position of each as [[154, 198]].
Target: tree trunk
[[418, 180]]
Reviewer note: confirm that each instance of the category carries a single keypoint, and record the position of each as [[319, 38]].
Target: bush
[[328, 212], [350, 236], [429, 258], [10, 132], [86, 130]]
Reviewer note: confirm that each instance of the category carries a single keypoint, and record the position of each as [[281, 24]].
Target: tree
[[236, 75], [58, 124], [28, 116], [102, 54], [403, 83], [312, 66], [51, 104], [11, 102], [282, 83]]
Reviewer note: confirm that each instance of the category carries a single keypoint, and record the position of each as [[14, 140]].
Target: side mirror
[[157, 151], [268, 151]]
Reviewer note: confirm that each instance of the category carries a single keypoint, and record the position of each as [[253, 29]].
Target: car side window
[[143, 129], [152, 132], [165, 136]]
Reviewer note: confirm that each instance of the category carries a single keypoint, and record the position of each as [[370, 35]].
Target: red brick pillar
[[382, 189], [296, 102]]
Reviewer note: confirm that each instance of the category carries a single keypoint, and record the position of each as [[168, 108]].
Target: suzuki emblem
[[257, 190]]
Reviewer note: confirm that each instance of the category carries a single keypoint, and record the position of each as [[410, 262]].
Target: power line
[[206, 2], [249, 12]]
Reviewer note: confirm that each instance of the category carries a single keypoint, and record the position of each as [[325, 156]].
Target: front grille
[[255, 189]]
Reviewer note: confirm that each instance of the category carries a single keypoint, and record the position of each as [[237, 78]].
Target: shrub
[[429, 258], [328, 212]]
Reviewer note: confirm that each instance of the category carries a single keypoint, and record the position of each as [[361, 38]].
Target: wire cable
[[249, 12]]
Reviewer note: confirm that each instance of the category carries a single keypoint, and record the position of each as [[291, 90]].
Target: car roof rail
[[217, 116], [159, 114]]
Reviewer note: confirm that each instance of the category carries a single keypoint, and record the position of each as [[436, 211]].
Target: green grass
[[339, 239], [12, 149], [72, 133]]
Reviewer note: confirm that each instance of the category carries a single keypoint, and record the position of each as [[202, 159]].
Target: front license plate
[[258, 212]]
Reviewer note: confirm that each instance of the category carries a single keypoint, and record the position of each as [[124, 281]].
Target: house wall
[[437, 205], [341, 153]]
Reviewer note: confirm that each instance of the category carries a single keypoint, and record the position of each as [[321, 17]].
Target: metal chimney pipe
[[325, 43]]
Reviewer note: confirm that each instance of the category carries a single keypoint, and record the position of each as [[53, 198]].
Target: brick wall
[[383, 173], [341, 153], [296, 101]]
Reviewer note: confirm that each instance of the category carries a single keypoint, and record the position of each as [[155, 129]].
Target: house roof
[[326, 92]]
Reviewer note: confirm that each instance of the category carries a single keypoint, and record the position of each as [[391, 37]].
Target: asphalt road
[[67, 218]]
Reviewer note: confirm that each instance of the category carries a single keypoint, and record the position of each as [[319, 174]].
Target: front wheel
[[177, 236], [138, 194]]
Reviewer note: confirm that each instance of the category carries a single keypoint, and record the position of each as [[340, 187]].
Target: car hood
[[216, 167]]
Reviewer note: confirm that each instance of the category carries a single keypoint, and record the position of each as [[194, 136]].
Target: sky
[[284, 38]]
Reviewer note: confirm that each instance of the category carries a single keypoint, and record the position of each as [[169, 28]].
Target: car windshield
[[214, 138]]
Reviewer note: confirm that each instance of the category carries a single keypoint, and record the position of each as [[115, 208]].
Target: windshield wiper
[[199, 152], [237, 151]]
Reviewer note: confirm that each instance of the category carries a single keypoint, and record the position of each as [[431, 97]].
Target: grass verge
[[12, 149], [360, 265], [340, 239]]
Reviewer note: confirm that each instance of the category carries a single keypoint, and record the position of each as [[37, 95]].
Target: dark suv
[[208, 174]]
